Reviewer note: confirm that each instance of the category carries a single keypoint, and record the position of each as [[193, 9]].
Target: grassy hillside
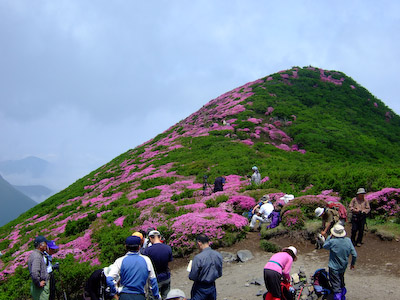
[[313, 133]]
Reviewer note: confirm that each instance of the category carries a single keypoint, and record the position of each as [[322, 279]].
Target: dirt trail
[[376, 276]]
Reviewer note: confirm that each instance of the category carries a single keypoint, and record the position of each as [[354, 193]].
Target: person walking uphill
[[40, 286], [340, 247], [206, 268], [359, 208], [134, 270], [160, 255], [277, 267]]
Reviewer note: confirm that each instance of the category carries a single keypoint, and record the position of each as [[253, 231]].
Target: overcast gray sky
[[84, 81]]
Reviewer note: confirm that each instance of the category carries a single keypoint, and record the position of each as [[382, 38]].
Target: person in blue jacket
[[340, 247], [133, 270]]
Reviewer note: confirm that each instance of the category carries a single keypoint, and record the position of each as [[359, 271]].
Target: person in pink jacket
[[277, 267]]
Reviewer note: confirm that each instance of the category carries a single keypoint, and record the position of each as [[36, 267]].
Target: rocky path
[[376, 276]]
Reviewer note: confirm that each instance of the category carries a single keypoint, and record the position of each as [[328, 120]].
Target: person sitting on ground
[[256, 208], [279, 265], [329, 218], [256, 177], [275, 216], [176, 294], [219, 184], [263, 216]]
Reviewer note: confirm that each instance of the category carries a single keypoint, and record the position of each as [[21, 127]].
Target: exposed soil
[[376, 276]]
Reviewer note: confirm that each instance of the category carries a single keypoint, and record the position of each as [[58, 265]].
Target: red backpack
[[340, 208]]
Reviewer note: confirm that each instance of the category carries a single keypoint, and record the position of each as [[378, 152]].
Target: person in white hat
[[277, 267], [329, 218], [359, 208], [176, 294], [340, 247]]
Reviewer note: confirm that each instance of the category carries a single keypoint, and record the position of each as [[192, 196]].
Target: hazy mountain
[[13, 202], [35, 192], [309, 131], [32, 165]]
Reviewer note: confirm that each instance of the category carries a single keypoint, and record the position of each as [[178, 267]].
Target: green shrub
[[269, 246], [187, 193], [293, 219], [215, 202], [147, 194], [78, 226]]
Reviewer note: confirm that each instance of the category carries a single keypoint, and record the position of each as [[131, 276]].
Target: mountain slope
[[308, 130], [37, 193], [13, 202]]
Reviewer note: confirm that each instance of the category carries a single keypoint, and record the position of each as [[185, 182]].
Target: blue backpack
[[321, 282]]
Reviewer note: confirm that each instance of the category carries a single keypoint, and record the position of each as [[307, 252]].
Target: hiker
[[133, 271], [263, 216], [256, 208], [277, 267], [359, 208], [52, 248], [96, 286], [176, 294], [256, 177], [219, 184], [38, 270], [206, 268], [160, 255], [340, 247], [329, 218], [275, 216], [146, 243]]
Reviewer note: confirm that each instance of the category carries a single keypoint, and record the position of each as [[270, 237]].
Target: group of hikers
[[143, 272]]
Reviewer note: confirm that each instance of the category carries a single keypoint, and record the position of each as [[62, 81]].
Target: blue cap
[[52, 245], [133, 240]]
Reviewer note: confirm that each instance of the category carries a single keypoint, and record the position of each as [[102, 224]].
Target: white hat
[[361, 191], [319, 211], [175, 293], [107, 270], [287, 198], [293, 249], [254, 168], [154, 233], [338, 231]]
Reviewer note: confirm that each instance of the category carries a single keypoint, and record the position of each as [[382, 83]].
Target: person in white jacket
[[263, 216]]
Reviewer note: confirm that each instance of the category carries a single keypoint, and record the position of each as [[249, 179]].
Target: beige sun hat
[[291, 248], [361, 191], [338, 231]]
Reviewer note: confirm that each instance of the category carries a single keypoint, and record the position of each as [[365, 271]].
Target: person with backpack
[[96, 286], [359, 208], [263, 216], [329, 218], [340, 247], [278, 267]]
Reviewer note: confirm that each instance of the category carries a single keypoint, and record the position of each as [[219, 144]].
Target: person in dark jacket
[[219, 184], [96, 286], [206, 268]]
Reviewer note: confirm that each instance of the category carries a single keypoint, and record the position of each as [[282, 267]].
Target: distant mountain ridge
[[313, 133], [13, 202], [37, 193], [31, 164]]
